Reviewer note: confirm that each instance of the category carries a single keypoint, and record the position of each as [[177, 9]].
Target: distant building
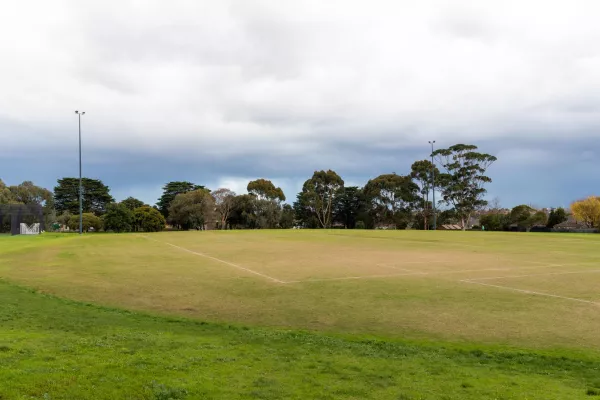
[[570, 225]]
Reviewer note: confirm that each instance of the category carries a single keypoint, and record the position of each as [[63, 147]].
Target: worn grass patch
[[418, 285]]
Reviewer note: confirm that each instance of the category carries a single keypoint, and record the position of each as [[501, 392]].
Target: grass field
[[301, 314]]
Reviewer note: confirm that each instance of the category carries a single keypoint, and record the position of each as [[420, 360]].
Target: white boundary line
[[523, 276], [531, 292], [217, 259], [346, 278], [394, 267], [394, 275], [433, 273]]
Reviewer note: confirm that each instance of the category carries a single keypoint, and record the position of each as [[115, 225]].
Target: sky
[[223, 92]]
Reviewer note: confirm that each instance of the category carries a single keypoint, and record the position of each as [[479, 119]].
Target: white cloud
[[236, 75], [237, 184], [235, 78]]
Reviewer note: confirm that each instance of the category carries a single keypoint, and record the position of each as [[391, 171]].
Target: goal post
[[33, 229]]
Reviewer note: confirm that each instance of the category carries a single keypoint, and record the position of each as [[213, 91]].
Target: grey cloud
[[223, 91]]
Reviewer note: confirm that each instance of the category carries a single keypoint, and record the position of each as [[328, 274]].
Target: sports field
[[536, 295]]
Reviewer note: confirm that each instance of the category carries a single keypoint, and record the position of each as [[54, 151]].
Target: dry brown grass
[[407, 284]]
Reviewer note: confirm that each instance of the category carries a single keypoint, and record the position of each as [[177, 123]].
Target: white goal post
[[33, 229]]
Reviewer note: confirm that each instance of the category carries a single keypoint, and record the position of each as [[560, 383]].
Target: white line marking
[[465, 270], [393, 267], [546, 274], [531, 292], [394, 275], [218, 259], [546, 264], [352, 277], [424, 262]]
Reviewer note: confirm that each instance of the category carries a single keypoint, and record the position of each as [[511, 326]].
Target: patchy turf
[[493, 288], [52, 348]]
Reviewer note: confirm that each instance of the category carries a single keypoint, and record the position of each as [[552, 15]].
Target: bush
[[148, 219], [118, 218], [89, 221], [359, 225], [495, 222]]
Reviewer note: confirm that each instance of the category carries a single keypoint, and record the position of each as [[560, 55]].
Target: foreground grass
[[59, 349]]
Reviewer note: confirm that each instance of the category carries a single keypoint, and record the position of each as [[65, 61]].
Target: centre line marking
[[531, 292], [216, 259], [346, 278], [431, 273], [546, 274], [393, 267]]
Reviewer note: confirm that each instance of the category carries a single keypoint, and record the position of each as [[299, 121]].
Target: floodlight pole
[[79, 114], [433, 187]]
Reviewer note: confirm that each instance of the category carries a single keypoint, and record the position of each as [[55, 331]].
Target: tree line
[[389, 200], [522, 218]]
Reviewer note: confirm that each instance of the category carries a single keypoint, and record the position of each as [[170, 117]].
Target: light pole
[[433, 186], [79, 114]]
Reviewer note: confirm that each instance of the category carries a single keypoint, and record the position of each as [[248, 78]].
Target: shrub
[[118, 218], [89, 221], [148, 219], [495, 222]]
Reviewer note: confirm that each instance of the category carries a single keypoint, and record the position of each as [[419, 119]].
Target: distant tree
[[172, 189], [243, 212], [537, 218], [6, 196], [304, 213], [494, 205], [148, 219], [587, 211], [193, 210], [557, 216], [462, 185], [96, 196], [224, 199], [448, 217], [495, 221], [286, 221], [422, 215], [264, 189], [421, 173], [28, 193], [268, 213], [527, 217], [319, 193], [132, 203], [349, 203], [521, 214], [89, 221], [118, 218], [392, 198]]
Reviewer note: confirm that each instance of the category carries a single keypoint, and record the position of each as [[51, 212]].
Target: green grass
[[127, 317], [432, 302], [58, 349]]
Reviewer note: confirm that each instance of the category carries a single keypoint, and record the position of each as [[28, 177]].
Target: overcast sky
[[221, 92]]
